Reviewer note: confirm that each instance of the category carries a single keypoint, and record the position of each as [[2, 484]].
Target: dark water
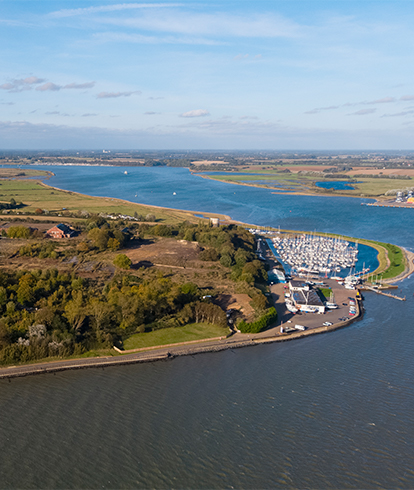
[[335, 184], [329, 411]]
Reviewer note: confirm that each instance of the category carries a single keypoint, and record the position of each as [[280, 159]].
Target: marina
[[316, 254]]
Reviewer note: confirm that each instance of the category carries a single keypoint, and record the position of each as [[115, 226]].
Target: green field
[[35, 194], [397, 261], [165, 336], [369, 187]]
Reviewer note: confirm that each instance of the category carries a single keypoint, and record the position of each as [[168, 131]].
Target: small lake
[[338, 185]]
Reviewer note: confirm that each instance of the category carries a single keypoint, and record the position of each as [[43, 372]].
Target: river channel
[[327, 411]]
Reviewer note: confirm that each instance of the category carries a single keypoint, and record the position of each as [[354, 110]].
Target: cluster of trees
[[47, 313], [42, 250], [11, 205], [21, 232]]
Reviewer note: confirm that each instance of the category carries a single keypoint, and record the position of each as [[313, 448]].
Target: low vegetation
[[191, 332], [60, 311]]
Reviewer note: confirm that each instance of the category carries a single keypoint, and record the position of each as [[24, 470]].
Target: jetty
[[378, 291]]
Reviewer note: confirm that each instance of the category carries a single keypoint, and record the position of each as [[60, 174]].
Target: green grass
[[396, 258], [194, 331], [326, 292], [373, 187], [35, 195]]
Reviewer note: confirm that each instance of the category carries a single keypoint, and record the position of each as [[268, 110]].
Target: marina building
[[304, 298]]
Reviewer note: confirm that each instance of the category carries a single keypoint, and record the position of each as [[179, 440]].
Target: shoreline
[[125, 201], [379, 201], [172, 351], [165, 353]]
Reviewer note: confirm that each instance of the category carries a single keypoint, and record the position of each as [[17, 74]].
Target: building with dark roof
[[61, 231]]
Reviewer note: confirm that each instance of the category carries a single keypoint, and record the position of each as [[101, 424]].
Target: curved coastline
[[168, 353], [275, 190], [203, 346]]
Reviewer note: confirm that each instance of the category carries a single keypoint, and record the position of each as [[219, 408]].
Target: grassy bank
[[37, 195], [305, 184], [165, 336]]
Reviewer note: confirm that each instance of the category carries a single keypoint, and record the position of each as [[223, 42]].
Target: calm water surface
[[331, 411]]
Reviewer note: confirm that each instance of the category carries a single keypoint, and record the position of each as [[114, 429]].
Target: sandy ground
[[383, 171], [167, 251]]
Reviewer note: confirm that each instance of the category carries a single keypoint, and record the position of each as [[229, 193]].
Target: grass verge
[[193, 331]]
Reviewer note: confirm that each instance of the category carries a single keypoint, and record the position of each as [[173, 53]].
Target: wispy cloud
[[385, 100], [362, 112], [48, 87], [195, 113], [108, 37], [89, 114], [399, 114], [150, 113], [80, 86], [113, 95], [110, 8], [18, 85], [319, 109], [407, 97]]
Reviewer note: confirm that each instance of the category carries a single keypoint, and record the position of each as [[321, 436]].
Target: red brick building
[[61, 231]]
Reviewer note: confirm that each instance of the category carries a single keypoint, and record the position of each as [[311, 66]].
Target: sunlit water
[[332, 410]]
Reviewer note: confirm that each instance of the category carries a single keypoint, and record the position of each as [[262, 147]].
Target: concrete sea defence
[[164, 353]]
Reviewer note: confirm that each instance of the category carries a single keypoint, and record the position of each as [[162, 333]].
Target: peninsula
[[209, 285]]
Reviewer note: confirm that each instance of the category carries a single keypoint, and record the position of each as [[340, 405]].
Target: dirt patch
[[383, 171], [238, 302], [170, 252]]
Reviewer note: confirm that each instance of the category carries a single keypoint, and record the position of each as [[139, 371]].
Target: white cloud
[[49, 86], [385, 100], [362, 112], [195, 113], [107, 37], [112, 95], [398, 114], [319, 109], [109, 8], [17, 85], [80, 85], [407, 97]]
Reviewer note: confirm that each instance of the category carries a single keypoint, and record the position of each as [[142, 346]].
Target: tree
[[122, 261]]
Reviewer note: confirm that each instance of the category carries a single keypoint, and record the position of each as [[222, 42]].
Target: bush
[[122, 261], [260, 324]]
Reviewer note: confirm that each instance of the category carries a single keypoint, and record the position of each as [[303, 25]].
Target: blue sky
[[207, 75]]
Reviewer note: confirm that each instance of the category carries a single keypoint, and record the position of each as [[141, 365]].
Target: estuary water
[[328, 411], [156, 185]]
